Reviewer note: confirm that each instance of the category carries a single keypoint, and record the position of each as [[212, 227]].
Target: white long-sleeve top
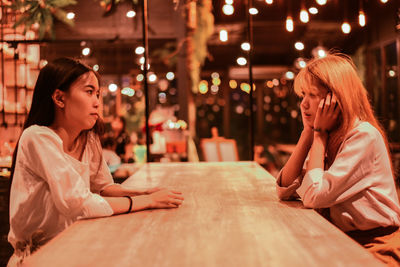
[[358, 188], [51, 189]]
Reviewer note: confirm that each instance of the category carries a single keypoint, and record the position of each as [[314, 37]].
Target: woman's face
[[309, 104], [82, 102]]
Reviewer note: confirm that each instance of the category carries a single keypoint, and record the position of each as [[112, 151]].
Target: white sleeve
[[43, 155], [344, 179]]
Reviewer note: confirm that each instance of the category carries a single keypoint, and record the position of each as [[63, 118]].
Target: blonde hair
[[337, 73]]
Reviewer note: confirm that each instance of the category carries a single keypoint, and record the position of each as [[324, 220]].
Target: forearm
[[317, 152], [294, 165], [121, 205], [116, 190]]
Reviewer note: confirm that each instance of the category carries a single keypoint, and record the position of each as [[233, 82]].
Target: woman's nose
[[304, 103]]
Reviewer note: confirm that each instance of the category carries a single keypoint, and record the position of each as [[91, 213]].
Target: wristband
[[130, 204]]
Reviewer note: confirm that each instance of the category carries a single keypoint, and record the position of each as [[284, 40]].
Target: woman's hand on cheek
[[327, 113]]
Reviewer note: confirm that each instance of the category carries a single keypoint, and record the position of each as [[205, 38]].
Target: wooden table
[[231, 216]]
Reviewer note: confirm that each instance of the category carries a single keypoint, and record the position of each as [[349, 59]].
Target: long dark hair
[[59, 74]]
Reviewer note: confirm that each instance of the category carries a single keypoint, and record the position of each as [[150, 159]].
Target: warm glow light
[[139, 50], [223, 35], [142, 66], [203, 87], [112, 87], [269, 1], [253, 11], [384, 1], [300, 63], [392, 73], [170, 75], [321, 2], [141, 60], [152, 77], [346, 28], [304, 16], [96, 67], [313, 10], [140, 77], [228, 9], [289, 24], [130, 14], [245, 46], [299, 46], [70, 15], [361, 18], [86, 51], [289, 75], [229, 2], [128, 91], [215, 75], [232, 84], [321, 53], [241, 61]]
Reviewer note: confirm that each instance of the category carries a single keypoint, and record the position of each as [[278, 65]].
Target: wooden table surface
[[231, 216]]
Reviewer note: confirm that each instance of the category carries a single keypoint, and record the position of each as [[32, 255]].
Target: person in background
[[111, 158], [341, 164], [122, 139], [58, 172]]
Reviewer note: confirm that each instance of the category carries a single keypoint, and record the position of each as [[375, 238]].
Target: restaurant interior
[[218, 85]]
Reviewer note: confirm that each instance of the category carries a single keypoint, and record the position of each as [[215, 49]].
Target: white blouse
[[51, 189], [358, 188]]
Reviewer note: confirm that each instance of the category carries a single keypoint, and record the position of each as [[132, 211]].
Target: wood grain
[[231, 216]]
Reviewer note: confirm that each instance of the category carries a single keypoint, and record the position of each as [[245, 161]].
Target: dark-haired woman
[[58, 173]]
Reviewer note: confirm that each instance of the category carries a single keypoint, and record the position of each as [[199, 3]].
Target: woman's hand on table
[[165, 198]]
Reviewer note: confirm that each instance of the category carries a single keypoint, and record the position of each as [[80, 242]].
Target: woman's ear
[[58, 98]]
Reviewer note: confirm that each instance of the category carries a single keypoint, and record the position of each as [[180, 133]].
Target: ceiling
[[114, 38]]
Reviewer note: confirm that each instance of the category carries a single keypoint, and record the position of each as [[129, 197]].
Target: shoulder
[[36, 132], [364, 133]]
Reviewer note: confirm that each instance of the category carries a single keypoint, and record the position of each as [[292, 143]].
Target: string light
[[139, 50], [289, 75], [321, 2], [384, 1], [304, 16], [228, 9], [229, 2], [346, 28], [70, 15], [241, 61], [269, 2], [86, 51], [112, 87], [223, 35], [313, 10], [96, 67], [299, 46], [253, 11], [131, 14], [289, 24], [245, 46], [170, 75], [361, 18]]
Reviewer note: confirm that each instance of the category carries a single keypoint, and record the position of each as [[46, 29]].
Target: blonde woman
[[341, 164]]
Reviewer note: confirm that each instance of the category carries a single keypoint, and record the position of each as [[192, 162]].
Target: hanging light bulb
[[304, 16], [319, 52], [223, 35], [384, 1], [346, 28], [289, 24], [269, 2], [361, 18], [228, 9], [245, 46], [299, 46], [321, 2], [253, 11], [229, 2], [313, 10]]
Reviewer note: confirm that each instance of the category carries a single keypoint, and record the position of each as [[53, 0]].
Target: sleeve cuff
[[96, 206], [311, 179]]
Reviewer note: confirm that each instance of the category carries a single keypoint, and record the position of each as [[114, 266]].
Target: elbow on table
[[314, 201]]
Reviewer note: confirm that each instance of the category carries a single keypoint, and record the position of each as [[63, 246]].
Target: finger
[[176, 192], [177, 197]]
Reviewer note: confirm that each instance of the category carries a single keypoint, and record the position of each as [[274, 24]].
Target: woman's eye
[[90, 92]]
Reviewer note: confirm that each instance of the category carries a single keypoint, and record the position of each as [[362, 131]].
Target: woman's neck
[[67, 135]]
